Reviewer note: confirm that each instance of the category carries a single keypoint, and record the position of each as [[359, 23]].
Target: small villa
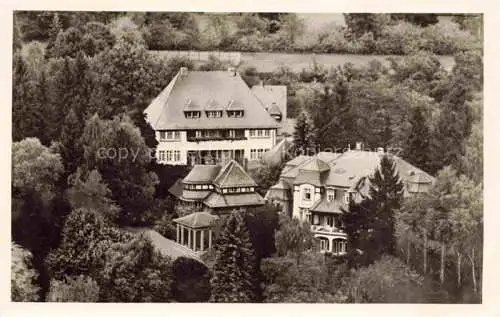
[[317, 189], [212, 191]]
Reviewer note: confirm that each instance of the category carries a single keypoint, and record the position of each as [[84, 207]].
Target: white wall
[[299, 202], [184, 146]]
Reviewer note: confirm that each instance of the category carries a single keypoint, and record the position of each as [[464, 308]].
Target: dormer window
[[235, 113], [214, 114], [192, 114]]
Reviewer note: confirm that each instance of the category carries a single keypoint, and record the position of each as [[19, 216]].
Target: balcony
[[216, 135], [215, 138], [328, 230]]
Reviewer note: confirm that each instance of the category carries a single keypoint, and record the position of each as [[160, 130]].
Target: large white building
[[208, 117], [317, 189]]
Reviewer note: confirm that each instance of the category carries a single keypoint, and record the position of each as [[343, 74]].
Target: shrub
[[77, 289], [23, 276], [85, 237], [165, 227], [135, 271], [191, 281], [446, 38], [388, 280], [400, 39]]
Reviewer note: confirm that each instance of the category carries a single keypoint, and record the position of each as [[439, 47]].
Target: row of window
[[214, 114], [198, 187], [170, 135], [330, 195], [169, 156], [338, 246], [176, 135], [256, 154], [260, 133], [231, 133], [238, 190]]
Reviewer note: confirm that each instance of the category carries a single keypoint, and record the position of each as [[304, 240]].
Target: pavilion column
[[182, 234], [330, 244], [210, 238], [178, 233], [189, 237], [201, 240], [194, 240]]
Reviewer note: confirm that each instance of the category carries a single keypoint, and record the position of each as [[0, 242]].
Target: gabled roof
[[191, 106], [346, 169], [216, 200], [326, 206], [201, 219], [280, 191], [212, 104], [315, 165], [177, 189], [233, 175], [235, 105], [202, 174], [310, 177], [200, 87]]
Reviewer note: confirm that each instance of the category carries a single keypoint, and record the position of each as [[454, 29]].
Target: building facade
[[317, 189], [208, 117], [207, 193]]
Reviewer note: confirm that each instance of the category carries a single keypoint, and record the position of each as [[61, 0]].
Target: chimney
[[359, 146], [232, 71], [183, 71]]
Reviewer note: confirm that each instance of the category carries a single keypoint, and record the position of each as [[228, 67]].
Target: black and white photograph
[[246, 157]]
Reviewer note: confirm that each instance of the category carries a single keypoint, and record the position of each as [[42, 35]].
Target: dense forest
[[362, 33], [81, 82]]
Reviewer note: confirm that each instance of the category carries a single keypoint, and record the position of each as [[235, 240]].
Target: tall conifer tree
[[234, 270], [418, 148], [386, 189]]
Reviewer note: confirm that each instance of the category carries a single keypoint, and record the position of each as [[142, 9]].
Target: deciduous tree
[[293, 238]]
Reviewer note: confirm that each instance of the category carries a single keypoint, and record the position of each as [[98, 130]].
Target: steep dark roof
[[233, 175], [280, 191], [208, 90], [201, 219], [216, 200], [176, 188], [178, 191], [309, 177], [315, 165], [202, 174], [326, 206], [346, 169]]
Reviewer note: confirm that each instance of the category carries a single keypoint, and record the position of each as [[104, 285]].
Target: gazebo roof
[[201, 219]]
